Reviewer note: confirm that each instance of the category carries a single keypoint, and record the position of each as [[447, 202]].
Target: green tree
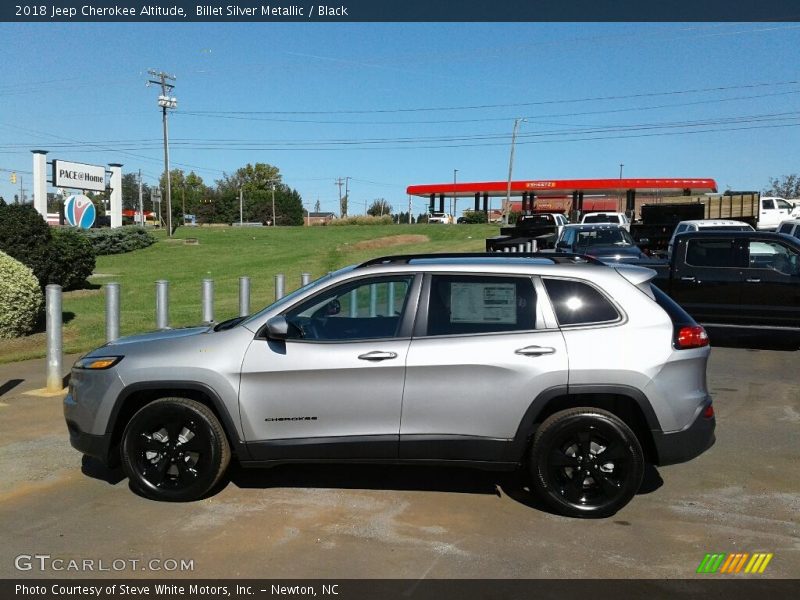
[[379, 207], [250, 178], [787, 186], [130, 191], [317, 206], [343, 207]]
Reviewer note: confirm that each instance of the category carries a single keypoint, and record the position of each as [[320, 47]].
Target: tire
[[160, 458], [599, 443]]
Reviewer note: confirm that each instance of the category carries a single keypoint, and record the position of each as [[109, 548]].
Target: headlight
[[97, 362]]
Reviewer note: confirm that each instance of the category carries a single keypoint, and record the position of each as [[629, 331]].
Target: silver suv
[[578, 371]]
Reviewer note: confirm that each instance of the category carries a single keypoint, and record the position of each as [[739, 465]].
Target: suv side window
[[785, 228], [577, 303], [711, 253], [460, 304], [360, 310], [766, 254]]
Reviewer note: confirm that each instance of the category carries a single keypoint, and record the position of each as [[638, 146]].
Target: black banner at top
[[244, 11]]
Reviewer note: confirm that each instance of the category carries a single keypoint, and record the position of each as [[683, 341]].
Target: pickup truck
[[741, 278], [541, 228]]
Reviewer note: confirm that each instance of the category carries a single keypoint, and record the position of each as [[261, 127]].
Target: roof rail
[[560, 257]]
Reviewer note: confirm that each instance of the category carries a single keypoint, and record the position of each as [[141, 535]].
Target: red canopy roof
[[563, 187]]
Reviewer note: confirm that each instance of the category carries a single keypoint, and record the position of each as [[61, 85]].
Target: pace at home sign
[[79, 176]]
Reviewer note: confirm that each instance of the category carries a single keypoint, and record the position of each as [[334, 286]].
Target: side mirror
[[277, 328]]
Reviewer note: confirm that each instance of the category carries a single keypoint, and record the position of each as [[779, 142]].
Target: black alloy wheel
[[174, 449], [586, 462]]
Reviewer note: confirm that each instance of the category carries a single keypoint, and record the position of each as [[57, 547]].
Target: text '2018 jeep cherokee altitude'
[[577, 370]]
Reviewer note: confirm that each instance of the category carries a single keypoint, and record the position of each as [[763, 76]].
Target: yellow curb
[[44, 393]]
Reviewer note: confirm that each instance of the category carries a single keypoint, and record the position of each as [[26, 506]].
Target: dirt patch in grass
[[391, 240]]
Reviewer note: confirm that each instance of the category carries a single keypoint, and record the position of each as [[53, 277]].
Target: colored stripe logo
[[737, 562]]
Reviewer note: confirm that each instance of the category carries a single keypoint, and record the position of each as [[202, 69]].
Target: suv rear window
[[579, 303], [462, 304]]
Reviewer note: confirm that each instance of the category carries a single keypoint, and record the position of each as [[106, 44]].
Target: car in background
[[440, 217], [790, 227], [616, 218], [707, 225], [606, 242], [774, 211]]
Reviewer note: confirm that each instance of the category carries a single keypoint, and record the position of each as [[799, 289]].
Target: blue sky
[[279, 93]]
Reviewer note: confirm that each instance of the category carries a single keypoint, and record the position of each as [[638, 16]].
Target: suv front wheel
[[174, 449], [586, 462]]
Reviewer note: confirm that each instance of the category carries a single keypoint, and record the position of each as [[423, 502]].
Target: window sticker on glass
[[483, 303]]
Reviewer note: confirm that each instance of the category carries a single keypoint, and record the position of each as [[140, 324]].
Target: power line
[[513, 105]]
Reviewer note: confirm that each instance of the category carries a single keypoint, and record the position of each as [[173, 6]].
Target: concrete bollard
[[280, 286], [521, 248], [244, 296], [528, 246], [162, 304], [305, 279], [207, 300], [112, 311], [55, 382]]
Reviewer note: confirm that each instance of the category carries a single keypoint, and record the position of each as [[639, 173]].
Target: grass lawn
[[224, 254]]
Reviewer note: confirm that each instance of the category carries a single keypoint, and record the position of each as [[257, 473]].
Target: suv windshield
[[601, 218], [290, 297], [603, 237]]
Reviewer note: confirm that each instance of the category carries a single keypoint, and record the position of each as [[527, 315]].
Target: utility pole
[[517, 121], [240, 206], [455, 198], [340, 183], [165, 101], [141, 204], [409, 209]]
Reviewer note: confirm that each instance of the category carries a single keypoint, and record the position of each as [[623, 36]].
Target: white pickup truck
[[773, 211], [440, 217]]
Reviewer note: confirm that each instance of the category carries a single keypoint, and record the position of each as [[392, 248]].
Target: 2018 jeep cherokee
[[579, 371]]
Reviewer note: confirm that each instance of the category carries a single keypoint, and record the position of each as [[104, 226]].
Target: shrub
[[363, 220], [26, 237], [72, 258], [20, 298], [474, 216], [120, 239]]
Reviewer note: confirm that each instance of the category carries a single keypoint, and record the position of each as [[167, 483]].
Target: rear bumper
[[684, 445]]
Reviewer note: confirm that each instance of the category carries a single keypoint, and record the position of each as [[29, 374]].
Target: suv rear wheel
[[586, 462], [174, 449]]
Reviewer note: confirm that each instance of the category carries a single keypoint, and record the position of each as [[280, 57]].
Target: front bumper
[[681, 446], [96, 446]]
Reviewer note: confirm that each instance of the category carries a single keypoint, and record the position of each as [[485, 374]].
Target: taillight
[[692, 336], [709, 411]]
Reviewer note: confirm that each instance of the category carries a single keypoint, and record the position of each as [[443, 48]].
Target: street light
[[273, 204]]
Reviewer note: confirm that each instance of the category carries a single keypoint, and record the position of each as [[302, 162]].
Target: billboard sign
[[79, 176]]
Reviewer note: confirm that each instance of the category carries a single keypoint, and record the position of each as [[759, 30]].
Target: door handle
[[535, 350], [752, 280], [687, 279], [377, 355]]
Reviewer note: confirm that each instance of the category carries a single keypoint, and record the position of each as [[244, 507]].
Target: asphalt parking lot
[[401, 522]]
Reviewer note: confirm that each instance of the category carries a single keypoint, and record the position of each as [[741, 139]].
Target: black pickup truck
[[749, 278], [541, 228]]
